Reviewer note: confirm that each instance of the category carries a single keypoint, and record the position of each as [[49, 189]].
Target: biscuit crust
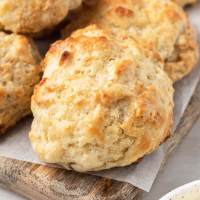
[[19, 72], [34, 16], [102, 103], [161, 26], [185, 2]]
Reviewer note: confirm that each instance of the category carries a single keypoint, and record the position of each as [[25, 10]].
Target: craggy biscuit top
[[144, 20], [102, 103], [158, 25], [33, 16], [19, 72]]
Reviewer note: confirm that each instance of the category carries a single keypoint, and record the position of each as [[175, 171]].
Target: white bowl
[[190, 191]]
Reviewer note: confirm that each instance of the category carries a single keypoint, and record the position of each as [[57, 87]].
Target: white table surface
[[182, 167]]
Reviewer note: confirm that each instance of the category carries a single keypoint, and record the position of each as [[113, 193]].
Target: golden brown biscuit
[[161, 26], [185, 2], [185, 55], [34, 16], [102, 103], [18, 75]]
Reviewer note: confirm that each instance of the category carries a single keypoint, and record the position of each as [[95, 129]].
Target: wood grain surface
[[44, 183]]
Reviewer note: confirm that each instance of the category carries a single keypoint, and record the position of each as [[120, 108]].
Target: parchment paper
[[16, 145]]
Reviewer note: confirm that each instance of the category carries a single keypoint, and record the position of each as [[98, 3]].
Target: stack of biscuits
[[20, 59], [105, 98]]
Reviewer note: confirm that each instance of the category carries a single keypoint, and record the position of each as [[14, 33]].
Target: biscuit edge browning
[[185, 2], [177, 44], [101, 103], [34, 18], [19, 72]]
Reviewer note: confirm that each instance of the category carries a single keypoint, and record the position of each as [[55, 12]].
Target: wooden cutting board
[[44, 183]]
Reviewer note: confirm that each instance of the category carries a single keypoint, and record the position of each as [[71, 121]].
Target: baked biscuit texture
[[185, 2], [185, 55], [102, 102], [18, 75], [161, 26], [34, 16]]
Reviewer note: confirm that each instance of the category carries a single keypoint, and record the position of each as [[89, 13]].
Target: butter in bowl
[[190, 191]]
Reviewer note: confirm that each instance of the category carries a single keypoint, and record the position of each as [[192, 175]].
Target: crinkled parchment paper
[[16, 145]]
